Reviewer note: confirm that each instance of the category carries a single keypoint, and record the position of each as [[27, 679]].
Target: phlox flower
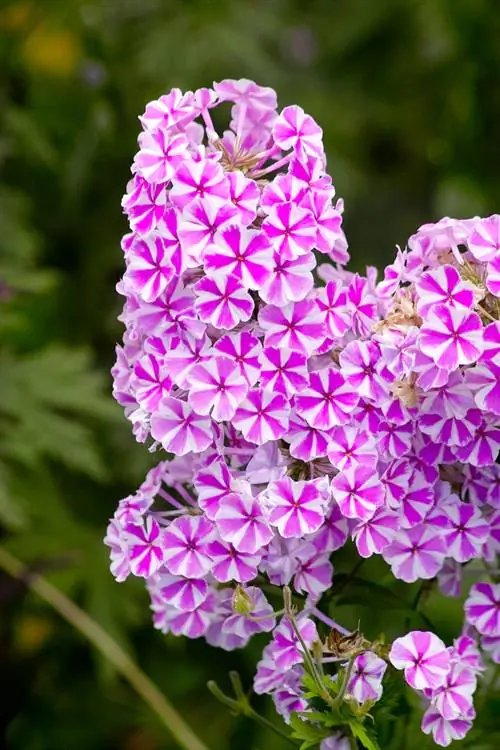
[[289, 698], [294, 129], [358, 492], [349, 446], [482, 608], [222, 301], [451, 336], [297, 326], [454, 698], [366, 680], [199, 179], [183, 355], [186, 546], [160, 154], [290, 280], [450, 578], [484, 242], [286, 649], [179, 429], [314, 576], [373, 535], [145, 548], [337, 741], [244, 349], [241, 522], [149, 267], [244, 253], [185, 594], [283, 371], [424, 658], [464, 528], [295, 508], [333, 532], [213, 483], [444, 731], [332, 303], [484, 382], [216, 387], [201, 219], [416, 553], [244, 194], [290, 229], [328, 401], [261, 619], [151, 381], [146, 206], [262, 416], [285, 188], [443, 285], [359, 364], [228, 564], [305, 442], [362, 305]]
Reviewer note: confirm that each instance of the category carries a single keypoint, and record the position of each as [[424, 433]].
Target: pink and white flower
[[290, 229], [416, 553], [451, 336], [144, 546], [328, 401], [216, 387], [244, 253], [222, 301], [179, 429], [444, 731], [241, 522], [424, 658], [366, 680], [186, 546], [262, 416], [295, 508], [482, 608]]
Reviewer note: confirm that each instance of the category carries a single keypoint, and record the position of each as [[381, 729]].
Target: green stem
[[347, 677], [110, 649]]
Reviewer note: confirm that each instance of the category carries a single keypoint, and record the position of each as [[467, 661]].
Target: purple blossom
[[416, 553], [482, 608], [295, 508], [424, 658], [451, 336], [241, 522], [444, 731], [186, 546], [358, 492], [366, 680]]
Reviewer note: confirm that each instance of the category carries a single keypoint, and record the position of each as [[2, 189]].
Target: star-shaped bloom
[[484, 242], [332, 302], [146, 206], [283, 371], [222, 301], [297, 326], [350, 446], [295, 508], [241, 522], [262, 416], [229, 564], [443, 285], [185, 594], [244, 349], [160, 154], [376, 533], [199, 179], [290, 229], [213, 483], [453, 699], [286, 648], [201, 219], [328, 401], [305, 442], [451, 336], [295, 130], [151, 381], [290, 280], [366, 677], [482, 608], [146, 552], [484, 381], [216, 387], [358, 492], [244, 194], [179, 429], [464, 529], [244, 253], [149, 267], [444, 731], [424, 658], [186, 546], [416, 553]]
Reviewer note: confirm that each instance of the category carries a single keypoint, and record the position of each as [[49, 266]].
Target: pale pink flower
[[424, 658]]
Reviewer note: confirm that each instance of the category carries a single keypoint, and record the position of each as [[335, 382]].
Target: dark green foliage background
[[408, 94]]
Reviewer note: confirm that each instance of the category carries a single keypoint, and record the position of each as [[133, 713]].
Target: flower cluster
[[302, 405]]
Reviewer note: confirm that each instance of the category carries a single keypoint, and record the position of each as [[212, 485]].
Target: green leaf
[[361, 733]]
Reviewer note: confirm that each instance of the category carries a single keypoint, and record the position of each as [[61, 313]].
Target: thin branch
[[110, 649]]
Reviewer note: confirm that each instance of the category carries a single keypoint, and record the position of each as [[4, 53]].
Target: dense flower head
[[303, 407]]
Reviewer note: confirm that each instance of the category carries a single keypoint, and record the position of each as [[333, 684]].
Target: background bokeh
[[408, 95]]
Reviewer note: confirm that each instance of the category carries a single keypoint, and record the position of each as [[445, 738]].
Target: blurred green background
[[408, 95]]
